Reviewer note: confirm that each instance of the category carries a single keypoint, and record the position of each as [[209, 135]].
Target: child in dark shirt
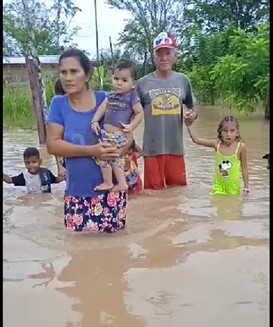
[[36, 178]]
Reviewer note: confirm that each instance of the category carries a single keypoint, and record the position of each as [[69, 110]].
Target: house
[[14, 68]]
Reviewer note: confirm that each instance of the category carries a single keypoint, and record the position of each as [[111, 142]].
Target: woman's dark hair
[[226, 120], [58, 88], [127, 64], [84, 61]]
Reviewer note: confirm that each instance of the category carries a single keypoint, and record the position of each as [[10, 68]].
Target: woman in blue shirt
[[69, 135]]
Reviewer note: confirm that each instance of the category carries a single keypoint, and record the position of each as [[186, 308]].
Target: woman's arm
[[60, 148], [123, 150], [200, 141]]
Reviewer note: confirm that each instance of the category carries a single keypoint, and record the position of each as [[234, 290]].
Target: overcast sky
[[110, 23]]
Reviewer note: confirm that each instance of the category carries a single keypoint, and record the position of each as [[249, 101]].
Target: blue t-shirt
[[82, 173]]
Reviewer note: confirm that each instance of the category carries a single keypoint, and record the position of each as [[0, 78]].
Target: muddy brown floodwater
[[185, 259]]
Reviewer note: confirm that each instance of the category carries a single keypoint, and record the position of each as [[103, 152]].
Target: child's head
[[130, 151], [32, 160], [228, 130], [124, 76]]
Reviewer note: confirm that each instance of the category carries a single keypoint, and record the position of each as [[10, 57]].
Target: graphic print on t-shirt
[[165, 101], [116, 104]]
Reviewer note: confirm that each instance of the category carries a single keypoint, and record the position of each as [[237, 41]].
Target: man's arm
[[189, 101]]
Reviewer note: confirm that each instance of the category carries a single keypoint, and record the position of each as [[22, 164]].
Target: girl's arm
[[198, 140], [244, 167]]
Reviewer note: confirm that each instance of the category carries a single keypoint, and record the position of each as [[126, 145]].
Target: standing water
[[185, 258]]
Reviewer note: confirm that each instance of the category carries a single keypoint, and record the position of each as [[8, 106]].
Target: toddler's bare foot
[[120, 187], [104, 187]]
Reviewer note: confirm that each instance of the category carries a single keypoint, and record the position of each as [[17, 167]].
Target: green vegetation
[[17, 104], [224, 48]]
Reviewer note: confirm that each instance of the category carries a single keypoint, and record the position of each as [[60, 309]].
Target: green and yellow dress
[[227, 178]]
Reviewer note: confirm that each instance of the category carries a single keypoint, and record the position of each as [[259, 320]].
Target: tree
[[200, 57], [243, 76], [29, 25], [217, 15], [50, 27], [149, 18], [108, 59]]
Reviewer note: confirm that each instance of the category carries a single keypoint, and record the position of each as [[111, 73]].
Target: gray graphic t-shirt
[[162, 101]]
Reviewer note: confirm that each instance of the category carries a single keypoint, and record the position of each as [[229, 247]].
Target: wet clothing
[[100, 213], [163, 170], [117, 139], [38, 183], [227, 178], [162, 101], [120, 108], [133, 178], [83, 174]]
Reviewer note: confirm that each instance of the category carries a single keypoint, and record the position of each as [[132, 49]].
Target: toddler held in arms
[[121, 112]]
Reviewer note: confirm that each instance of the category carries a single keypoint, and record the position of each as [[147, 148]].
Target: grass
[[18, 109]]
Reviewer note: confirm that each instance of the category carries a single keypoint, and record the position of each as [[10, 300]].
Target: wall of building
[[17, 73]]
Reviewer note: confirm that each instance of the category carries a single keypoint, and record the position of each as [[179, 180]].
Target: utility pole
[[111, 49], [97, 33]]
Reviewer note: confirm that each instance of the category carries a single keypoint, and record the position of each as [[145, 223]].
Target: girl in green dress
[[230, 157]]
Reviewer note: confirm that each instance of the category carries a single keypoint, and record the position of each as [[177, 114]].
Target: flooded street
[[185, 259]]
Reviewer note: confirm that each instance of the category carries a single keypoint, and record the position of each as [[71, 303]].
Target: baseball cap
[[164, 40]]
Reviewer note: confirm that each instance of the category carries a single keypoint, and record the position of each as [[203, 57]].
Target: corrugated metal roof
[[50, 59], [54, 59]]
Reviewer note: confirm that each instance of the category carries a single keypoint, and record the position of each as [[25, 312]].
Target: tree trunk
[[37, 97], [35, 77]]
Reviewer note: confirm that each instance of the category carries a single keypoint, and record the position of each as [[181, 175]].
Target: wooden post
[[37, 98], [35, 77]]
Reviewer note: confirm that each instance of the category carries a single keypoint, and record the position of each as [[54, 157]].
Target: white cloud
[[110, 23]]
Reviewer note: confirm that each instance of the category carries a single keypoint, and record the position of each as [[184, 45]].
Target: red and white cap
[[164, 40]]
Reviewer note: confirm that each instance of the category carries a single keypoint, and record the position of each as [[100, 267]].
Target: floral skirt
[[100, 213]]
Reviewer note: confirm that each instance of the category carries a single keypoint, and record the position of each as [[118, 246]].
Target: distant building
[[14, 68]]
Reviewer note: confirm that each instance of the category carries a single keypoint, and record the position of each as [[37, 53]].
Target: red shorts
[[164, 170]]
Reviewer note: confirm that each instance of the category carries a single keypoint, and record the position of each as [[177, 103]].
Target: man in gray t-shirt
[[163, 94]]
